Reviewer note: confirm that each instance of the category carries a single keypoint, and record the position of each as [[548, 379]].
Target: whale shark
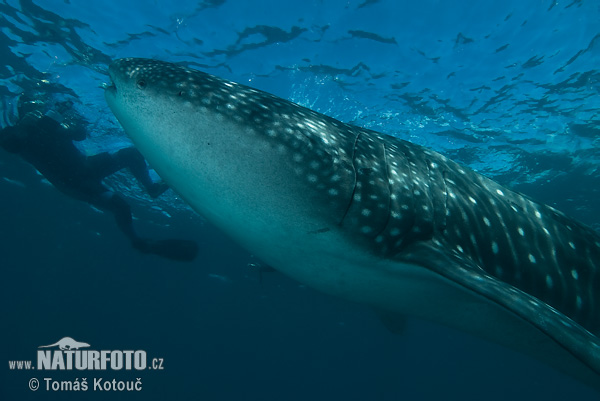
[[366, 216]]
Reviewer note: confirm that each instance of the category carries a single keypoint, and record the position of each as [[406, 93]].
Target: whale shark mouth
[[110, 86]]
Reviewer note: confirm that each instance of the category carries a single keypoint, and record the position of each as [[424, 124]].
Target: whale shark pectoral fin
[[567, 334], [393, 321]]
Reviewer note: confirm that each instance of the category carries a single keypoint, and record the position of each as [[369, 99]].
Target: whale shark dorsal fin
[[572, 337]]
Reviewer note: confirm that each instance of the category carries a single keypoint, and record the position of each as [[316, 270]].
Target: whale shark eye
[[141, 84]]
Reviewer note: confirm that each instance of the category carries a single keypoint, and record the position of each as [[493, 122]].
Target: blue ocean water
[[508, 88]]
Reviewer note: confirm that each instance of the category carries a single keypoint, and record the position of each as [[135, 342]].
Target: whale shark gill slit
[[354, 179], [369, 208]]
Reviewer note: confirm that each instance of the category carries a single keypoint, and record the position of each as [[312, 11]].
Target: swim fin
[[173, 249]]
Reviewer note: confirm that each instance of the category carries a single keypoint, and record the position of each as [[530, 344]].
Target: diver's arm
[[72, 130], [76, 132]]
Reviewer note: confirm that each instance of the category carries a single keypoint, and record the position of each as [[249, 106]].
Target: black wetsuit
[[48, 146]]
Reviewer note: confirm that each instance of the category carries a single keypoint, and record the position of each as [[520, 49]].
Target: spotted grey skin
[[369, 217]]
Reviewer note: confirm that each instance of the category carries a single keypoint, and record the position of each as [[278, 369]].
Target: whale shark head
[[256, 166]]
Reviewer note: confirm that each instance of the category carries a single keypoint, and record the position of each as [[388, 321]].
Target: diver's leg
[[174, 249], [113, 203], [105, 164], [134, 161], [93, 192]]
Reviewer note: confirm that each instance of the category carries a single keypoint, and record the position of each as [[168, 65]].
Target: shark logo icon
[[66, 343]]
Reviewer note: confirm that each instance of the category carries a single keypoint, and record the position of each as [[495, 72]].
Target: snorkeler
[[46, 142]]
